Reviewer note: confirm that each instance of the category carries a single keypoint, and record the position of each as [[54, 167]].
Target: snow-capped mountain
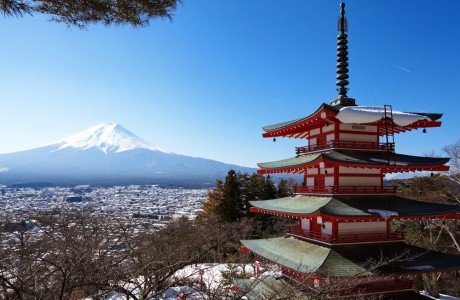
[[108, 154], [109, 137]]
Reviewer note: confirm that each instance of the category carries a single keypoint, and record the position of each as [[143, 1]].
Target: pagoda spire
[[342, 54]]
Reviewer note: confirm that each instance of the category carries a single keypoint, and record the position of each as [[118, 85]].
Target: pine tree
[[225, 202], [231, 206], [229, 200], [81, 13], [210, 206], [269, 189], [284, 188]]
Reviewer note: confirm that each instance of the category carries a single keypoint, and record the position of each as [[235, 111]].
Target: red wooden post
[[257, 266], [201, 271]]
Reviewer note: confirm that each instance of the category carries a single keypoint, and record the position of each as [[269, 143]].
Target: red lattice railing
[[346, 145]]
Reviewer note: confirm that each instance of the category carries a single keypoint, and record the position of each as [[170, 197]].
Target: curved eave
[[297, 163], [348, 260], [373, 160], [296, 206], [414, 126], [357, 218], [300, 169], [298, 127], [353, 207]]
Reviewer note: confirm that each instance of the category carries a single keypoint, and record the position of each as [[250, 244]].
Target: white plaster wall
[[312, 171], [328, 128], [358, 170], [362, 227], [358, 137], [312, 141], [310, 181], [314, 131], [326, 228], [367, 128], [359, 181], [329, 181], [305, 224]]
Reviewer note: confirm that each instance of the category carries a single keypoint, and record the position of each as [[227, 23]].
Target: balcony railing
[[345, 190], [346, 238], [397, 285], [346, 145]]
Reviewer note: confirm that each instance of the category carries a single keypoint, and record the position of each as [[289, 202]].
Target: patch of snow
[[419, 268], [392, 162], [441, 296], [370, 114], [383, 213], [213, 280], [110, 137]]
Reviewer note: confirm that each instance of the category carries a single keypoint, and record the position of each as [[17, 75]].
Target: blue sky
[[205, 83]]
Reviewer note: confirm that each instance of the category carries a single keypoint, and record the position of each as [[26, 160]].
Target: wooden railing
[[345, 190], [397, 285], [346, 238], [354, 285], [346, 145]]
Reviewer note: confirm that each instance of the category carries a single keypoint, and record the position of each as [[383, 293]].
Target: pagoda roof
[[324, 106], [354, 206], [351, 260], [367, 159], [266, 288], [403, 121]]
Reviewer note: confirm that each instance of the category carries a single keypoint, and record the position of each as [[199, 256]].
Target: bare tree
[[453, 151]]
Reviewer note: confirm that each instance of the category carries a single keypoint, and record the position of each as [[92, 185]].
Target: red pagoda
[[343, 208]]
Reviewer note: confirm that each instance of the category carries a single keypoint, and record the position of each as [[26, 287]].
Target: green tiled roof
[[290, 252], [291, 162], [355, 157], [283, 124], [304, 257], [286, 124], [269, 289], [351, 260], [353, 206], [302, 205]]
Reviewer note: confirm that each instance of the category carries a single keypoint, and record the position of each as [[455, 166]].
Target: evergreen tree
[[229, 200], [210, 206], [231, 206], [284, 188], [269, 190], [225, 202], [81, 13]]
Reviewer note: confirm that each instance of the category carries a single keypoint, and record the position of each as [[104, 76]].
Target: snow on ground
[[442, 297], [216, 280]]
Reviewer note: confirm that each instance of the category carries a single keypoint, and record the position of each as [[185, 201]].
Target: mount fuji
[[109, 154]]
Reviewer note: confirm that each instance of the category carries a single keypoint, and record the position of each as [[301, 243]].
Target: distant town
[[150, 203]]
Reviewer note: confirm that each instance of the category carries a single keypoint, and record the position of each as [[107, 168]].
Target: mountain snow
[[109, 137], [109, 154]]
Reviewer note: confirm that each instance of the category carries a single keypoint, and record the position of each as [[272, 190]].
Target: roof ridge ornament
[[342, 61]]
